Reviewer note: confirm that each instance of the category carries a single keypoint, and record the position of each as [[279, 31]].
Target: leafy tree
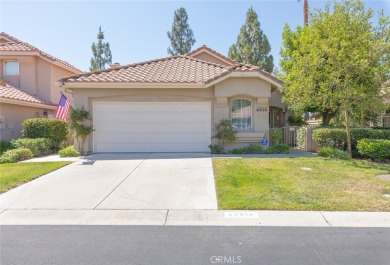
[[252, 45], [78, 119], [181, 35], [101, 53], [338, 63]]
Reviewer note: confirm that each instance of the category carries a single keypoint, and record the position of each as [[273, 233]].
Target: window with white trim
[[11, 68], [241, 114]]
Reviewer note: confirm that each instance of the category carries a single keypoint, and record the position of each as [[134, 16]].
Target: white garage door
[[151, 127]]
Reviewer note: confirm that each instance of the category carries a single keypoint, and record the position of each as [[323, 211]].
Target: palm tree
[[305, 12]]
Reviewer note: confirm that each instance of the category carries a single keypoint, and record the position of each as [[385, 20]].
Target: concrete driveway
[[122, 181]]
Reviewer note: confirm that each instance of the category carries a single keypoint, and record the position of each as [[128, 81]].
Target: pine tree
[[252, 45], [181, 35], [101, 53]]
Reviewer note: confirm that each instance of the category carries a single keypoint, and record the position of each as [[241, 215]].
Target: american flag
[[63, 108]]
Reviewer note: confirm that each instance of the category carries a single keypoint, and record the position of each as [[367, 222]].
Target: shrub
[[4, 146], [224, 132], [254, 149], [215, 148], [333, 153], [250, 149], [53, 129], [38, 146], [337, 137], [276, 135], [68, 152], [278, 149], [374, 149], [15, 155]]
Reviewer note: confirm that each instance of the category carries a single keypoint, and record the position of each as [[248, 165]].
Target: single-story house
[[172, 104], [29, 85]]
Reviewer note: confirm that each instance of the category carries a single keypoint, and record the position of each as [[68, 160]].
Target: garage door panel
[[133, 118], [152, 127], [137, 147], [145, 128]]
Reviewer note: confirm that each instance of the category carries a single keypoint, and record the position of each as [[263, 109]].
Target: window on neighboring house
[[241, 114], [11, 68]]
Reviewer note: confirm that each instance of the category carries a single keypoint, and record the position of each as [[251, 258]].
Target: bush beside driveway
[[301, 184]]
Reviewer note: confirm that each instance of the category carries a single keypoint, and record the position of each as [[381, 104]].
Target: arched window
[[241, 114]]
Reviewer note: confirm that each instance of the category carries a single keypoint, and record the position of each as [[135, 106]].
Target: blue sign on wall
[[264, 142]]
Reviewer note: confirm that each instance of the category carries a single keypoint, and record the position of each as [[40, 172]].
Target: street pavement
[[171, 245]]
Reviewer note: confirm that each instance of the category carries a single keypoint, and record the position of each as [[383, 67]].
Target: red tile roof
[[217, 54], [176, 69], [8, 91], [17, 45]]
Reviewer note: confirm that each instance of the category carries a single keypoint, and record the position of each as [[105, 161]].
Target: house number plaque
[[261, 109]]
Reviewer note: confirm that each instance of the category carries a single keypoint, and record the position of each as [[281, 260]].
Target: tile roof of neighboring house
[[217, 54], [175, 69], [10, 92], [18, 45]]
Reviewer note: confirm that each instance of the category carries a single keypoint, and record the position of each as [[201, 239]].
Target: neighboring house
[[172, 104], [29, 85]]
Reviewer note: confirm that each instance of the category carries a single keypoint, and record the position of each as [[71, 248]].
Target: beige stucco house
[[172, 104], [29, 85]]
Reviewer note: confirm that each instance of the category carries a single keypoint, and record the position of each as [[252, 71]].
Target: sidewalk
[[195, 218], [52, 158]]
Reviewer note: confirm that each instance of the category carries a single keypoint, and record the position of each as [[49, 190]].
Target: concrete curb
[[195, 218]]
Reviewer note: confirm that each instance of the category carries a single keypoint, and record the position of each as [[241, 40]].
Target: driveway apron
[[122, 181]]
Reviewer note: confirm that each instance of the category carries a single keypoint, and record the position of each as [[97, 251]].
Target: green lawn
[[283, 184], [15, 174]]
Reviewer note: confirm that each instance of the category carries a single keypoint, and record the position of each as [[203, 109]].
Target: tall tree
[[181, 35], [338, 63], [101, 53], [252, 45], [305, 12]]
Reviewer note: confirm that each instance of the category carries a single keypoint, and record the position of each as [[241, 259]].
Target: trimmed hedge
[[53, 129], [333, 153], [250, 149], [278, 149], [38, 146], [4, 146], [15, 155], [68, 152], [258, 149], [374, 149], [337, 137]]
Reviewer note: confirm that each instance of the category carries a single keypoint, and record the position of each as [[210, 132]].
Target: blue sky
[[137, 30]]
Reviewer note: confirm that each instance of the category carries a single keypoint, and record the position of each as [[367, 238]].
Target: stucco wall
[[220, 97], [37, 76], [86, 97], [14, 115], [209, 58], [55, 89], [254, 89]]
